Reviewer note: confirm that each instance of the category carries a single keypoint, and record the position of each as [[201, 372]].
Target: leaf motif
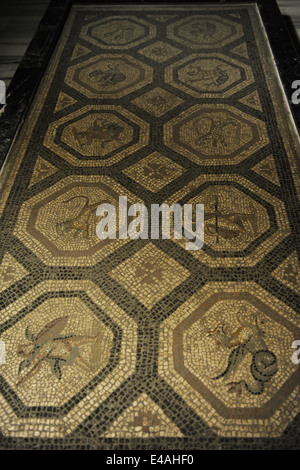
[[96, 351], [74, 354], [236, 387], [23, 364], [56, 369], [29, 335], [51, 330]]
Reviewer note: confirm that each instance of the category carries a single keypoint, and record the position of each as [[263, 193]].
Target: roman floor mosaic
[[126, 341]]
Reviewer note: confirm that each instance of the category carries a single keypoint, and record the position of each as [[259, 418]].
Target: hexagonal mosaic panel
[[97, 135], [51, 357], [109, 76], [241, 221], [203, 31], [209, 75], [214, 134], [59, 224], [118, 32], [227, 350]]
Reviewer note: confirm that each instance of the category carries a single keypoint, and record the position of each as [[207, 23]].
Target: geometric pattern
[[161, 18], [10, 272], [41, 170], [80, 51], [149, 275], [267, 169], [288, 272], [125, 344], [63, 102], [157, 102], [159, 51], [241, 50], [154, 171], [252, 100], [143, 419]]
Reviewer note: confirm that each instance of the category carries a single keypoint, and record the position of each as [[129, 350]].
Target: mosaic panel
[[118, 32], [202, 31], [59, 224], [221, 350], [122, 343], [241, 222], [92, 135], [149, 275], [109, 76], [212, 134], [154, 171], [54, 359], [209, 75]]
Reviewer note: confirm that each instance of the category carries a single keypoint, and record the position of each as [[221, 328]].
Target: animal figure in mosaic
[[80, 223], [246, 339], [50, 347], [216, 134], [119, 34], [111, 77], [216, 76], [103, 131], [231, 225], [206, 30]]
